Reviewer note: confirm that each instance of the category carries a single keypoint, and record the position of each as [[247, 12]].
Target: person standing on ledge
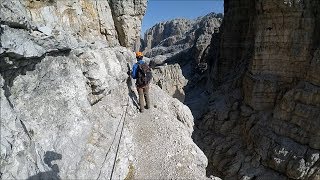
[[142, 73]]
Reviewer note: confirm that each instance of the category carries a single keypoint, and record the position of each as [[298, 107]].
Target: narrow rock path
[[152, 149], [163, 147]]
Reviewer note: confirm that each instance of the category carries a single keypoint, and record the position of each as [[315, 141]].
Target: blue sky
[[163, 10]]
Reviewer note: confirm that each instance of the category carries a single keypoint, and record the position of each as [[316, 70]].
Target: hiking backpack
[[144, 75]]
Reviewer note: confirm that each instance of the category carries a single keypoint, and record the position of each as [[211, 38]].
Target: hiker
[[142, 73]]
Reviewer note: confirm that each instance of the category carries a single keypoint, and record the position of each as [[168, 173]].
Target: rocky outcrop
[[65, 96], [127, 16], [182, 44], [171, 37], [265, 107], [167, 33], [73, 22], [49, 110], [171, 80]]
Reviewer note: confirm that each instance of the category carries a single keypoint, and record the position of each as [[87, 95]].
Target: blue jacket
[[135, 68]]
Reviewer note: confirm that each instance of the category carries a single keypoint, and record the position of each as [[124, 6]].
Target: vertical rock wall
[[63, 87], [284, 46], [237, 33], [115, 22], [267, 107], [127, 16]]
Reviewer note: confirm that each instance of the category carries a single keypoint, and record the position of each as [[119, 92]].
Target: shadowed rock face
[[266, 108]]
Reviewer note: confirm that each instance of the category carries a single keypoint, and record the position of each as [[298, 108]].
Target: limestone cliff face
[[183, 44], [65, 95], [58, 60], [171, 80], [127, 16], [170, 37], [268, 94], [78, 20], [174, 30]]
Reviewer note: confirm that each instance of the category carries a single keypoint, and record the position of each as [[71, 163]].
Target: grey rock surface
[[53, 108], [171, 37], [171, 80], [178, 49], [128, 20], [167, 128]]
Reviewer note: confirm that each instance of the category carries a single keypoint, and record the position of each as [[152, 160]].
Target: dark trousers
[[143, 96]]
